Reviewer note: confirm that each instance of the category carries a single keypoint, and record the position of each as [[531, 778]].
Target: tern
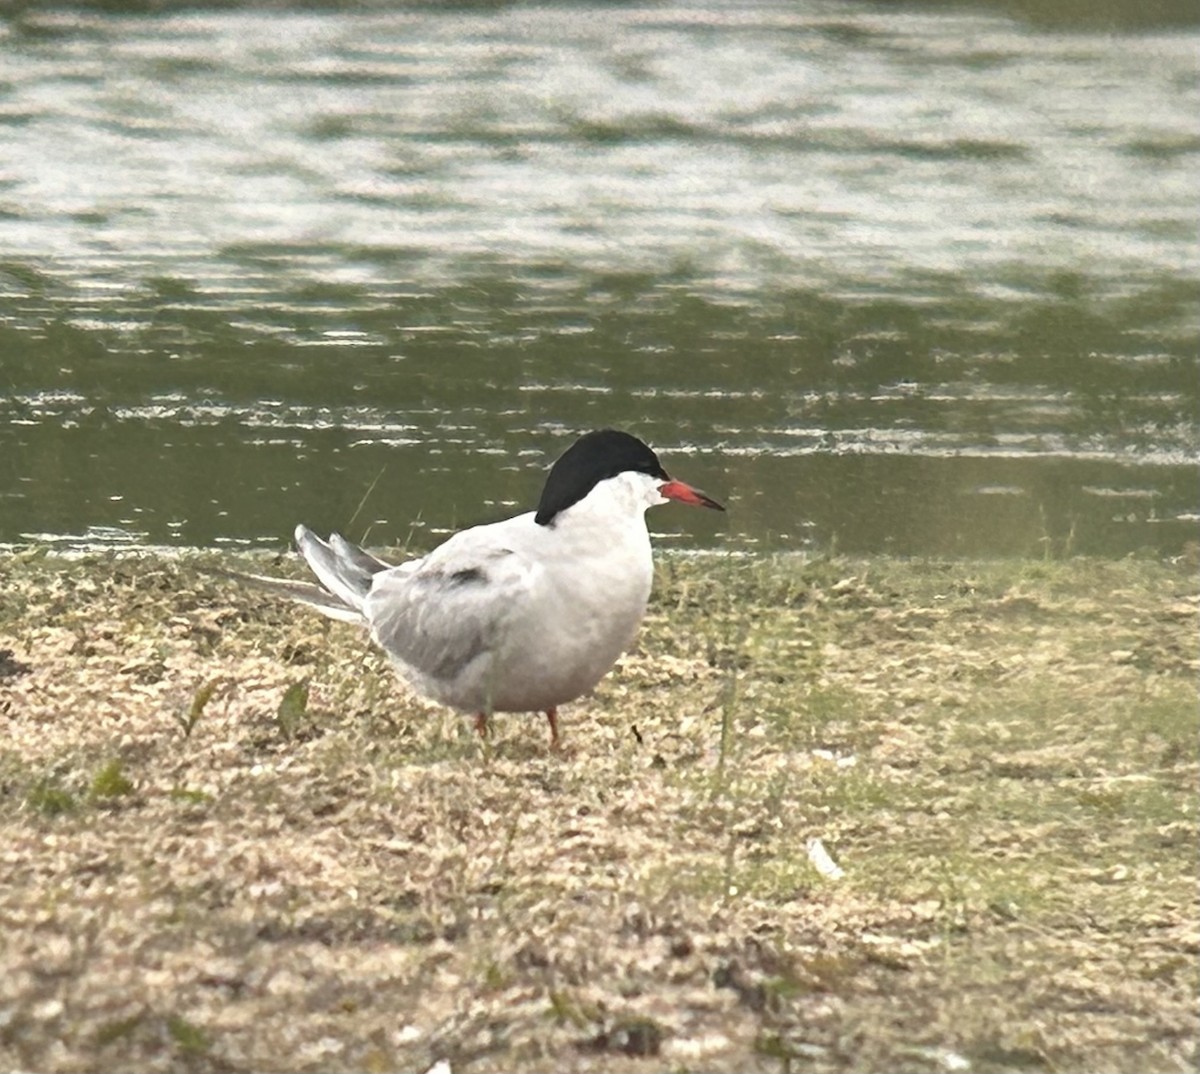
[[522, 615]]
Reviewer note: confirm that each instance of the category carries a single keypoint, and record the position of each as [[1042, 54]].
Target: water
[[881, 278]]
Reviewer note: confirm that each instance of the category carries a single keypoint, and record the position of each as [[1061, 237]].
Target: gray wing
[[447, 612]]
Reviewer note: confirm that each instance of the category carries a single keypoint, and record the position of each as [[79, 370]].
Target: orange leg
[[481, 724]]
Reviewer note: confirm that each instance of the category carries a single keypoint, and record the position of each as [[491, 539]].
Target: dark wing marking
[[337, 570], [437, 620], [360, 557]]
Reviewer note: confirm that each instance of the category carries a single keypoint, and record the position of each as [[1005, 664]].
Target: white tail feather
[[301, 592], [342, 573]]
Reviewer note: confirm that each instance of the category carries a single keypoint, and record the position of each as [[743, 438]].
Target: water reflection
[[910, 279]]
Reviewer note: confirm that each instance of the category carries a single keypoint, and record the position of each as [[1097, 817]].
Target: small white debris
[[822, 862], [694, 1048], [943, 1057], [442, 1066], [48, 1009], [839, 760]]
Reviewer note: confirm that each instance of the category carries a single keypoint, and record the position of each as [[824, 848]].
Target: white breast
[[517, 617], [584, 611]]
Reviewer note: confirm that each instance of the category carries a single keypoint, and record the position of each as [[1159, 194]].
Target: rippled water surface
[[915, 280]]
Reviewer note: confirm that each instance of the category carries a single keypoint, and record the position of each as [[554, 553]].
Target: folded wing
[[450, 612]]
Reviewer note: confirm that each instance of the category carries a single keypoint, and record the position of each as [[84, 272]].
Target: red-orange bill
[[677, 490]]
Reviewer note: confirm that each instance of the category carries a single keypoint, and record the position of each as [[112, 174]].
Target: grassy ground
[[230, 841]]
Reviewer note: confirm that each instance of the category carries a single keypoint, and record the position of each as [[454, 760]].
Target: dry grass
[[231, 842]]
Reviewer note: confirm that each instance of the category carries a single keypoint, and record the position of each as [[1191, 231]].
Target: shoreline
[[233, 841]]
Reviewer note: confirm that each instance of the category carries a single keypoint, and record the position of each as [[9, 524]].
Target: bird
[[522, 615]]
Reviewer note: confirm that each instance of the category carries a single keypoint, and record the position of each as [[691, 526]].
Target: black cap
[[593, 458]]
